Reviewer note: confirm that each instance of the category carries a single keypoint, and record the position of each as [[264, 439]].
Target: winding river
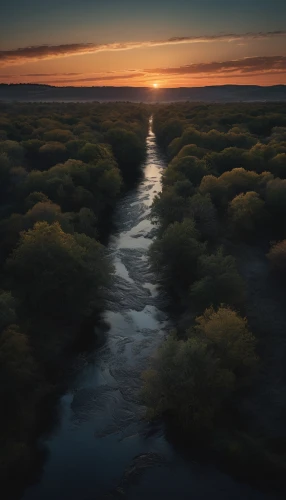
[[102, 447]]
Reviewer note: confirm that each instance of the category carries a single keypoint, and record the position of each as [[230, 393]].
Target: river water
[[102, 447]]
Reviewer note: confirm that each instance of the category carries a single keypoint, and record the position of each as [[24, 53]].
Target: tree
[[226, 160], [277, 258], [203, 211], [55, 273], [128, 149], [277, 165], [35, 197], [93, 152], [58, 135], [14, 151], [5, 169], [231, 339], [219, 281], [169, 207], [217, 190], [175, 254], [85, 222], [187, 383], [17, 387], [52, 153], [192, 150], [247, 214], [188, 167], [7, 309], [48, 212]]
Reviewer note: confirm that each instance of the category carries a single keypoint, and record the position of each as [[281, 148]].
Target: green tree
[[247, 214], [52, 153], [231, 339], [219, 281], [7, 309], [188, 167], [187, 383], [175, 254], [277, 165], [14, 151], [128, 149], [56, 273], [17, 387], [277, 258]]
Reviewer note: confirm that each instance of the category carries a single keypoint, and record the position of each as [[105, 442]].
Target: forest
[[62, 169], [219, 378]]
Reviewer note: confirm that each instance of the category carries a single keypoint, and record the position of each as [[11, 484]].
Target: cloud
[[97, 78], [51, 74], [245, 68], [35, 53], [247, 65]]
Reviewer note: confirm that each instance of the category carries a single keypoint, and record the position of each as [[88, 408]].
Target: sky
[[164, 43]]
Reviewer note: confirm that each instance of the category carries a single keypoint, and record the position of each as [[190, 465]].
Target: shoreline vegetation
[[62, 169], [219, 379]]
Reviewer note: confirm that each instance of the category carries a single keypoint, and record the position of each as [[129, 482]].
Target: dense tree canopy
[[61, 169]]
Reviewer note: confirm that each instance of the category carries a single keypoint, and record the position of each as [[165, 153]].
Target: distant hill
[[219, 93]]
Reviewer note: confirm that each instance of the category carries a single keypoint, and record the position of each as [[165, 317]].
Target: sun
[[155, 85]]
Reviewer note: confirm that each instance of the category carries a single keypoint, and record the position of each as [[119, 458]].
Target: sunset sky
[[171, 43]]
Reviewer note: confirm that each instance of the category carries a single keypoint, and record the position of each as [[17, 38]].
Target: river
[[102, 447]]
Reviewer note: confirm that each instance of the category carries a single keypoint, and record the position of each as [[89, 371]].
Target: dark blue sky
[[26, 22]]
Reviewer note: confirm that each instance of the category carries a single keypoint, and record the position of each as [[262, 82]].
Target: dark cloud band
[[26, 54]]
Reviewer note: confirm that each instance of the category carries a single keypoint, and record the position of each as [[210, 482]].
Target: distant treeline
[[225, 186], [62, 168], [220, 93]]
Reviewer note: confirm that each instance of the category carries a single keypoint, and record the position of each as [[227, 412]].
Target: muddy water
[[102, 447]]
